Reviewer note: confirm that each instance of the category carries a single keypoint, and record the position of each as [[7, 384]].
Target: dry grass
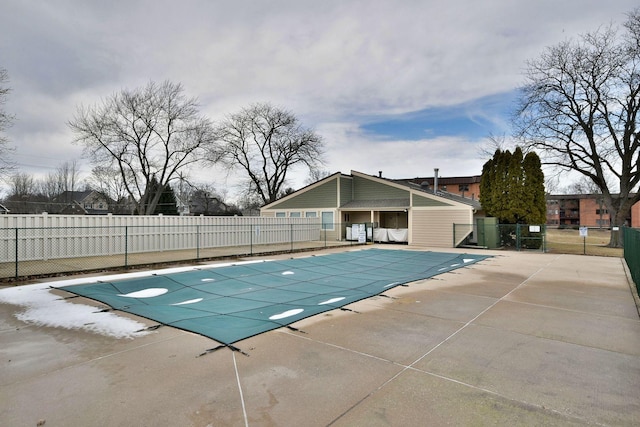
[[569, 242]]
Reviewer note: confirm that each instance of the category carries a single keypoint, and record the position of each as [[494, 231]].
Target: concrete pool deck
[[518, 339]]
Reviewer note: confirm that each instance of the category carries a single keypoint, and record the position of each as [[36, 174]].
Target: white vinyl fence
[[45, 237]]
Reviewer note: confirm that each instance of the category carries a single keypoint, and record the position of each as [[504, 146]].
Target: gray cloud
[[331, 62]]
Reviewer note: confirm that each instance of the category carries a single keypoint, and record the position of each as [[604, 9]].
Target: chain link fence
[[582, 241], [38, 251], [577, 240]]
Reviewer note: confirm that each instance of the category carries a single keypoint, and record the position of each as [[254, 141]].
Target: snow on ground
[[43, 308]]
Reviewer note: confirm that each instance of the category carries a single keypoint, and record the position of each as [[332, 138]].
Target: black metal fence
[[631, 238], [504, 236], [523, 236]]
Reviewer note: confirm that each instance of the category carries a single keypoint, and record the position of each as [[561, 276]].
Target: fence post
[[325, 233], [291, 237], [126, 245], [17, 252], [198, 241]]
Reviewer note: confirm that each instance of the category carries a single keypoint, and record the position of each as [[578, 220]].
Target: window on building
[[311, 214], [281, 214], [327, 221], [295, 215], [463, 187], [602, 211]]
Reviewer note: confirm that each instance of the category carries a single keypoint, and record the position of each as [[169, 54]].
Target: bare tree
[[63, 180], [50, 189], [250, 204], [579, 107], [493, 143], [24, 196], [316, 175], [582, 186], [6, 119], [266, 142], [147, 134], [23, 184], [67, 176], [109, 182]]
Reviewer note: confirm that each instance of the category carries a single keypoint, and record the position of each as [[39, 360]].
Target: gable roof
[[402, 201], [409, 184], [77, 196], [304, 189]]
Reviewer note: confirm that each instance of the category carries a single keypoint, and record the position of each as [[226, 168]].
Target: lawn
[[569, 241]]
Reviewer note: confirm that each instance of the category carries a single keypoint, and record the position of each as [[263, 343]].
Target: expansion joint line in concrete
[[229, 346], [470, 322], [441, 343], [244, 408], [433, 374]]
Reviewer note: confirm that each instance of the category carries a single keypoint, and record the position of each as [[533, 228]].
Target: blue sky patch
[[473, 120]]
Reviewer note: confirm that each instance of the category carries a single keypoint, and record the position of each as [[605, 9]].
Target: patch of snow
[[331, 301], [146, 293], [43, 308], [286, 314], [191, 301]]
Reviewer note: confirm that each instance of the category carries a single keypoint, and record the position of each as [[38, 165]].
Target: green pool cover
[[231, 303]]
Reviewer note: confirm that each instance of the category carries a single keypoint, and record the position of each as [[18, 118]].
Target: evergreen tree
[[516, 211], [534, 188], [512, 188], [167, 204], [487, 185]]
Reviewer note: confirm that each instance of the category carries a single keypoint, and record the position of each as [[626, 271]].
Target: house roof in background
[[410, 183]]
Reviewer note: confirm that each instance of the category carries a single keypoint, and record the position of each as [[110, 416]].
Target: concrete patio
[[518, 339]]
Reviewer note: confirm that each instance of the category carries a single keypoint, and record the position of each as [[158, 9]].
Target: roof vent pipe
[[379, 174], [435, 181]]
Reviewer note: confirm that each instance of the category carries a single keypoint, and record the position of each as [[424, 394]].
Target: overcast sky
[[397, 86]]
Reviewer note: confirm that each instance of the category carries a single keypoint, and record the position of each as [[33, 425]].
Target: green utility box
[[488, 232]]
